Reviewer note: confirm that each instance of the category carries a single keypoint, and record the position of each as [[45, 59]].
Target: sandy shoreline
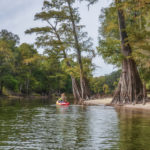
[[103, 101], [107, 101]]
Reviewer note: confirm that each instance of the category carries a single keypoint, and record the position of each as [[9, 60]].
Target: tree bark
[[84, 88], [85, 92], [76, 91], [75, 87], [130, 87]]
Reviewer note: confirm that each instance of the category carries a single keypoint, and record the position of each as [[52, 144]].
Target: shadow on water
[[41, 125], [134, 128]]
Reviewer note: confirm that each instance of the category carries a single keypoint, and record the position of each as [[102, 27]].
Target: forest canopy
[[25, 71], [66, 64]]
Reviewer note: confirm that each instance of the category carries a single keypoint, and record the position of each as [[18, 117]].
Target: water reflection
[[40, 125], [45, 126], [134, 129]]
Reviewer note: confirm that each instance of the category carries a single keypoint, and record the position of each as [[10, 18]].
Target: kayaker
[[62, 98]]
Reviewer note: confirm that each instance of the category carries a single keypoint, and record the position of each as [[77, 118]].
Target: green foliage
[[96, 84], [57, 36], [105, 84], [138, 30], [25, 71], [109, 49], [106, 88], [12, 39], [11, 83], [109, 41]]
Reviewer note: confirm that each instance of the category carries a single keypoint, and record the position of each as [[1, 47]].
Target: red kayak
[[62, 103]]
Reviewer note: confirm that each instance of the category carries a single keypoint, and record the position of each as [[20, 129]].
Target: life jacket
[[60, 99]]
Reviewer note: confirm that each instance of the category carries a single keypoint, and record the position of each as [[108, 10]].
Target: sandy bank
[[107, 101], [103, 101]]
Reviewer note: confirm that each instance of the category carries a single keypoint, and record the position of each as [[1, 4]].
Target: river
[[41, 125]]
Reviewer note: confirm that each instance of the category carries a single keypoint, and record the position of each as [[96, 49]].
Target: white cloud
[[18, 17]]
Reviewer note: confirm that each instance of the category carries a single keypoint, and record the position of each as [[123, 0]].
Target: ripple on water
[[73, 127]]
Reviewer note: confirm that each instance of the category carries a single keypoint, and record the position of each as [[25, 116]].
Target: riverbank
[[102, 101], [107, 101]]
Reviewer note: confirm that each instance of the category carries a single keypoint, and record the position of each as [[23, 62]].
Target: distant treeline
[[105, 85], [66, 64], [24, 71]]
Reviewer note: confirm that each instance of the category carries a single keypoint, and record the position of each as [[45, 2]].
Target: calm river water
[[40, 125]]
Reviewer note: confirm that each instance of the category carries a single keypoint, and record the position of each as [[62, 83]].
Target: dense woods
[[26, 72], [66, 63]]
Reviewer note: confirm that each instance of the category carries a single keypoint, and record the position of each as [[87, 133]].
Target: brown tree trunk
[[75, 87], [85, 92], [130, 87], [84, 88], [76, 91]]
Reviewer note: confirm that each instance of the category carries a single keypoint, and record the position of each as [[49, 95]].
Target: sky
[[18, 15]]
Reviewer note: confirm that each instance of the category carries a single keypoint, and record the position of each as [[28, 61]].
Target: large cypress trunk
[[130, 87], [85, 92]]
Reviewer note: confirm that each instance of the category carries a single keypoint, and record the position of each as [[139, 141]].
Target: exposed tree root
[[130, 88]]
